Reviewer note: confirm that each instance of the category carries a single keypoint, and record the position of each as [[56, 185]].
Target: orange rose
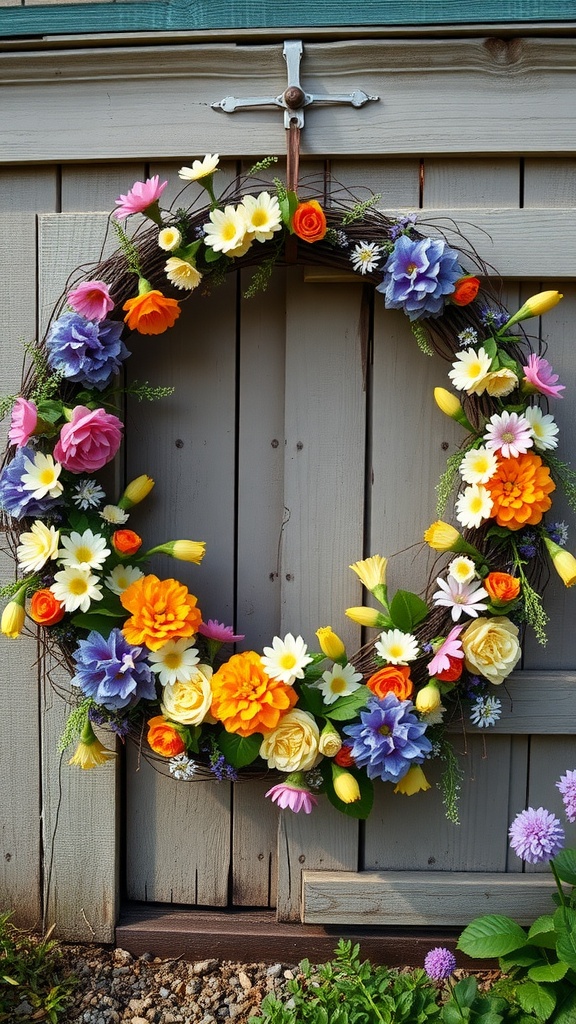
[[309, 221], [245, 699], [126, 542], [164, 738], [151, 313], [45, 609], [392, 679], [465, 290], [501, 586], [344, 757]]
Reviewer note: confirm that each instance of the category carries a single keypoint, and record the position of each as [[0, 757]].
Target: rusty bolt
[[294, 97]]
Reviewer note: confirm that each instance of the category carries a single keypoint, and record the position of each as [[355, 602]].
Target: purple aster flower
[[567, 787], [402, 224], [14, 498], [112, 672], [558, 532], [418, 275], [214, 630], [494, 318], [527, 545], [536, 835], [388, 739], [439, 963], [86, 351]]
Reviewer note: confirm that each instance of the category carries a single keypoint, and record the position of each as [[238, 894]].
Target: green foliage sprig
[[31, 972]]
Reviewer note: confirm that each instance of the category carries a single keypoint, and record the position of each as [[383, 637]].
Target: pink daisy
[[287, 794], [540, 375], [91, 299], [23, 423], [452, 647], [214, 630], [142, 195], [460, 597], [510, 434]]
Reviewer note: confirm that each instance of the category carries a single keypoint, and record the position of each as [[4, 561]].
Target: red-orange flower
[[45, 609], [344, 757], [519, 490], [245, 699], [465, 290], [151, 313], [309, 221], [126, 542], [161, 610], [164, 738], [392, 679], [453, 672], [501, 586]]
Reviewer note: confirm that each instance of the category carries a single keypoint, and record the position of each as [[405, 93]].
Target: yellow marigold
[[519, 490], [161, 610], [245, 699]]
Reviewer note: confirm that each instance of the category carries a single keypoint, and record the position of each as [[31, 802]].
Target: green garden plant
[[31, 972]]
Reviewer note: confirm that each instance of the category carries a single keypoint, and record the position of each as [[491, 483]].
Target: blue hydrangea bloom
[[86, 351], [418, 275], [113, 672], [14, 498], [388, 738]]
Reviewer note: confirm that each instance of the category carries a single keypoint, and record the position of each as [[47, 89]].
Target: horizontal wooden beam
[[421, 898], [534, 704]]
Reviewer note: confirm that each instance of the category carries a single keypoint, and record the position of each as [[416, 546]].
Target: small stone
[[274, 970], [289, 975], [164, 993], [139, 1020], [203, 966], [244, 981]]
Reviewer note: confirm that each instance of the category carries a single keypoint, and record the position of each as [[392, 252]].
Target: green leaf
[[536, 999], [346, 708], [452, 1015], [288, 204], [529, 956], [542, 932], [548, 972], [407, 610], [362, 807], [491, 936], [565, 864], [102, 623], [566, 1008], [210, 256], [490, 347], [565, 925], [239, 750], [311, 700], [465, 991]]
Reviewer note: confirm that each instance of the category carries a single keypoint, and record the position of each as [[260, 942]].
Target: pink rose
[[91, 299], [24, 421], [89, 440]]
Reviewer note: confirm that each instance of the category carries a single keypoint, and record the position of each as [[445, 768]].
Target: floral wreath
[[143, 660]]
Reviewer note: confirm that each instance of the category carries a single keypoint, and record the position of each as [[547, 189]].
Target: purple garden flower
[[14, 498], [113, 672], [567, 787], [419, 275], [86, 351], [388, 739], [214, 630], [439, 963], [293, 793], [536, 835]]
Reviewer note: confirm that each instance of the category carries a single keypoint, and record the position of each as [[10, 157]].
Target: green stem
[[558, 884]]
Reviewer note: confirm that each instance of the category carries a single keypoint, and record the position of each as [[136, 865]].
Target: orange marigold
[[519, 490], [151, 313], [245, 699], [161, 610]]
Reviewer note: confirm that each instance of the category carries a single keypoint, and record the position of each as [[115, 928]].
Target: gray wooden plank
[[526, 712], [28, 188], [94, 187], [550, 758], [254, 845], [550, 181], [463, 182]]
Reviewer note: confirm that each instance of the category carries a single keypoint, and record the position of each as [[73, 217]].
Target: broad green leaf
[[452, 1015], [566, 1008], [565, 864], [103, 624], [492, 935], [548, 972], [465, 991], [489, 1017], [490, 347], [407, 610], [542, 932], [565, 924], [528, 956], [210, 256], [346, 708], [239, 750], [311, 700], [536, 999]]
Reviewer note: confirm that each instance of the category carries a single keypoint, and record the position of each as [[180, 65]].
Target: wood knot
[[504, 51]]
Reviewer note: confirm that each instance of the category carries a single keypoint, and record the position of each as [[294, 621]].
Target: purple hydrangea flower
[[567, 787], [388, 739], [113, 672], [86, 351], [14, 498], [439, 963], [418, 275], [536, 835]]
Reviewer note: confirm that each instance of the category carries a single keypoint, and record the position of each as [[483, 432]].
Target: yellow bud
[[371, 571], [330, 644], [136, 491], [14, 616], [563, 562], [451, 406], [346, 787], [413, 782], [365, 616], [189, 550], [427, 699], [330, 741], [534, 306], [442, 536]]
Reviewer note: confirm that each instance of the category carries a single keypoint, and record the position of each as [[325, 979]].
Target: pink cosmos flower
[[509, 433], [286, 794], [451, 647], [91, 299], [89, 440], [460, 597], [540, 375], [142, 195], [214, 630], [23, 423]]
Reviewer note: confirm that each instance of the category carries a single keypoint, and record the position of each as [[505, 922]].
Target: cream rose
[[293, 745], [491, 648], [189, 702]]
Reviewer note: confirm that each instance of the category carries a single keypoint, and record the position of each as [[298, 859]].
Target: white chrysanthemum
[[200, 168], [174, 662], [286, 659], [339, 682], [485, 711], [478, 466], [262, 215], [365, 256], [169, 239], [182, 274], [83, 550], [462, 569], [41, 476], [500, 383], [468, 336], [544, 428], [225, 230], [469, 371], [473, 506], [76, 589], [37, 546], [88, 494], [396, 647], [121, 577], [114, 514], [181, 767]]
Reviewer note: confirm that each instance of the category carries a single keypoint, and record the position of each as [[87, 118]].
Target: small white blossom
[[88, 494], [181, 767], [365, 256], [485, 711]]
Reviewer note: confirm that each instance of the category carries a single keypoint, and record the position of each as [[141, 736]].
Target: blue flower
[[14, 497], [418, 275], [113, 672], [388, 739], [86, 351]]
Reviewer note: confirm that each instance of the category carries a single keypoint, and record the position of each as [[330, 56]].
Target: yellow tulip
[[413, 782], [183, 550], [345, 785], [371, 571], [443, 537], [330, 644], [90, 752], [427, 699], [136, 491], [563, 562], [534, 306], [14, 616], [451, 406], [365, 616]]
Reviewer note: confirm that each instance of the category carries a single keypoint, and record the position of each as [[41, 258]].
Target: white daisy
[[121, 577], [478, 466], [470, 370], [262, 215], [462, 569], [174, 662], [286, 659], [200, 168], [485, 711], [339, 682], [76, 589], [37, 546], [182, 767], [182, 274], [169, 239], [225, 230], [473, 506], [460, 597], [365, 256], [114, 514], [544, 428], [396, 647], [88, 494], [42, 476], [83, 550]]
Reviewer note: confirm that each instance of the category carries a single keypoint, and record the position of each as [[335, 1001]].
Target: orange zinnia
[[392, 679], [161, 610], [245, 699], [151, 313], [519, 490]]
